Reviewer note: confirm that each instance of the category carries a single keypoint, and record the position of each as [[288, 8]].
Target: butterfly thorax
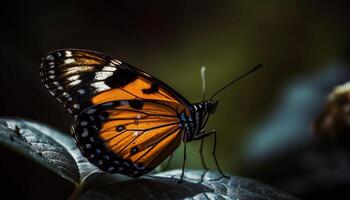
[[194, 123]]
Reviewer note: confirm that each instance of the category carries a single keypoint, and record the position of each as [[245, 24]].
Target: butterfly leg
[[183, 164], [214, 155], [205, 134], [201, 154]]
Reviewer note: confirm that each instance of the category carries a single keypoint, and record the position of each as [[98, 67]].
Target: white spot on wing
[[116, 62], [50, 57], [136, 133], [73, 78], [100, 86], [76, 82], [99, 76], [84, 134], [69, 60], [76, 70], [109, 68], [83, 123], [68, 53], [90, 111], [65, 94], [81, 91]]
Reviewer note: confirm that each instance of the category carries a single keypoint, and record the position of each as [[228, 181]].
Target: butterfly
[[126, 120]]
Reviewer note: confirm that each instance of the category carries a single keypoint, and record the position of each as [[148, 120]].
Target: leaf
[[84, 167], [69, 174], [34, 163], [29, 138], [196, 185]]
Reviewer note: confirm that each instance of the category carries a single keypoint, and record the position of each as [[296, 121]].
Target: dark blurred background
[[303, 45]]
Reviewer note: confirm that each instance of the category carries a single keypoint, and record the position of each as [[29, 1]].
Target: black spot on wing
[[110, 104], [153, 89], [121, 77], [120, 128], [134, 150], [136, 104]]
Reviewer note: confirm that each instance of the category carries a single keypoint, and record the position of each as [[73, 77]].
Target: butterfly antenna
[[203, 81], [235, 80]]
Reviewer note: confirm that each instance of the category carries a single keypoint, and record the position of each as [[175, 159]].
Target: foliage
[[32, 151]]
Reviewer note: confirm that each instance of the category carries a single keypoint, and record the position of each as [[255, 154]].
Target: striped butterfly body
[[126, 121]]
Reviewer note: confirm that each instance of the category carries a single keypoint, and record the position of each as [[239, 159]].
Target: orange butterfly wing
[[129, 136], [81, 78], [105, 94]]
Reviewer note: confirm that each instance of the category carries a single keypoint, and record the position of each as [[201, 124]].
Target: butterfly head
[[211, 106]]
